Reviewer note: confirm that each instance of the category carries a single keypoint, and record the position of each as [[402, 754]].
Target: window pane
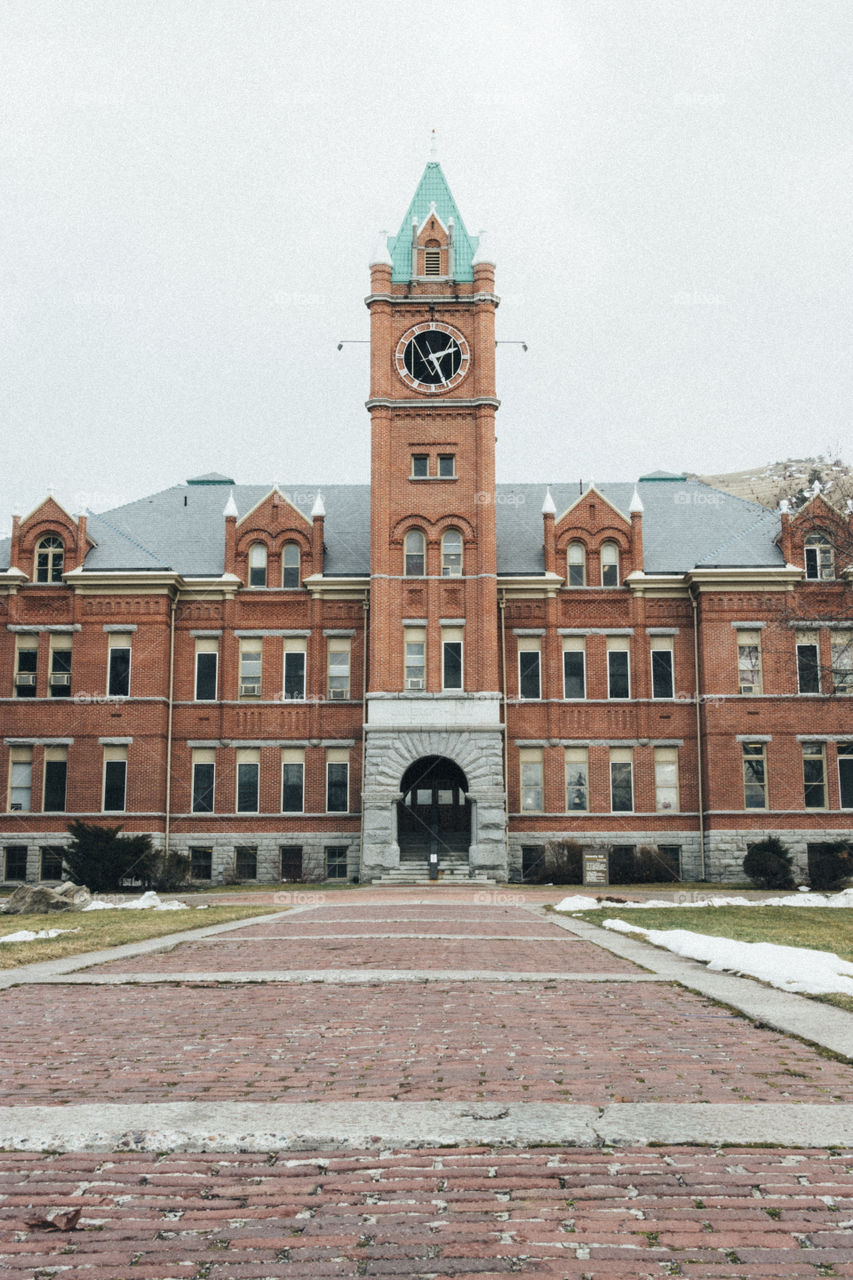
[[808, 671], [203, 780], [337, 799], [247, 788], [119, 677], [257, 565], [662, 683], [577, 785], [754, 778], [415, 555], [339, 673], [290, 566], [292, 788], [20, 797], [617, 670], [814, 785], [451, 555], [452, 675], [205, 677], [115, 778], [531, 786], [294, 675], [528, 673], [246, 862], [446, 465], [420, 465], [336, 862], [621, 790], [16, 862], [609, 565], [573, 674], [55, 774], [577, 564], [201, 864], [51, 863], [845, 777]]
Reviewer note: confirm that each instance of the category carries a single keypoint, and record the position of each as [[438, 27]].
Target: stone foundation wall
[[688, 840]]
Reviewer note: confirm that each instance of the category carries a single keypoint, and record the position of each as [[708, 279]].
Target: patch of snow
[[27, 935], [802, 899], [578, 903], [796, 969], [148, 902]]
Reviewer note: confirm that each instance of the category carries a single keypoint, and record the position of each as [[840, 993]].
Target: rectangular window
[[451, 657], [577, 779], [621, 779], [338, 669], [336, 862], [206, 663], [532, 780], [574, 667], [754, 775], [51, 862], [814, 775], [663, 680], [16, 862], [201, 864], [292, 780], [337, 780], [294, 670], [246, 862], [841, 644], [26, 667], [118, 671], [59, 684], [20, 779], [808, 662], [251, 652], [204, 779], [749, 662], [420, 466], [115, 779], [618, 667], [55, 778], [666, 779], [415, 658], [529, 668], [845, 774], [248, 779], [447, 465], [291, 861]]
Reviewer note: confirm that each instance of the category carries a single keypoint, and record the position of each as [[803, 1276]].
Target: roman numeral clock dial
[[432, 357]]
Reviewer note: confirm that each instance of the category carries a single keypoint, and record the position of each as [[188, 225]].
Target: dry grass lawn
[[94, 930]]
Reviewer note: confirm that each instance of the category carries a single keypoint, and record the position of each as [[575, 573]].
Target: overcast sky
[[191, 190]]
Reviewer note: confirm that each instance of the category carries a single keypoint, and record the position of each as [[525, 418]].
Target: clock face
[[432, 357]]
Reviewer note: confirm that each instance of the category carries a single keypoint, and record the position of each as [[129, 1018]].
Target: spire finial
[[433, 145]]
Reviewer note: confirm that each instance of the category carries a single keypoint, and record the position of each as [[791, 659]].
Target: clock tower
[[434, 785]]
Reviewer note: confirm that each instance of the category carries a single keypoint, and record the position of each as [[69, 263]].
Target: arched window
[[577, 564], [451, 554], [290, 565], [50, 556], [257, 565], [432, 258], [609, 564], [820, 560], [415, 554]]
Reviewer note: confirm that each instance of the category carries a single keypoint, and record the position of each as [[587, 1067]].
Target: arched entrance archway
[[434, 814]]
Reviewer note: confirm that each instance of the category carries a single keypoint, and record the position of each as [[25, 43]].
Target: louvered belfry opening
[[432, 258]]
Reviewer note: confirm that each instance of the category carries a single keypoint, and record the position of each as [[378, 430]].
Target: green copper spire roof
[[432, 188]]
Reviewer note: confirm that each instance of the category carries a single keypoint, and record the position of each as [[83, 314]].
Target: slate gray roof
[[686, 524]]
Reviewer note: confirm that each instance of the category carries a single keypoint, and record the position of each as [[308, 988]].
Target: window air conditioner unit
[[61, 679], [16, 805], [414, 682], [337, 694], [25, 678], [250, 688], [748, 688]]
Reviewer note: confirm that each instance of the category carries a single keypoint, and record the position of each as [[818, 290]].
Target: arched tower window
[[609, 564], [257, 565], [820, 560], [432, 258], [415, 554], [290, 565], [451, 554], [50, 557], [577, 564]]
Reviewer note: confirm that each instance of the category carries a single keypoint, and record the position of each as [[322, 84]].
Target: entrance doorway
[[434, 815]]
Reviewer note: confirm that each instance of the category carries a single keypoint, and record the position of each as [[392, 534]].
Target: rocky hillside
[[793, 479]]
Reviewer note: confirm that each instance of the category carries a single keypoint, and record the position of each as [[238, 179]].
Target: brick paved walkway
[[625, 1212]]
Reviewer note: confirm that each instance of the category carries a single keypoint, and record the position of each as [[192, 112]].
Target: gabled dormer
[[817, 539], [48, 543], [273, 545], [596, 544]]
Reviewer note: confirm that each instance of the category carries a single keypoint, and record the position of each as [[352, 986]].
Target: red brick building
[[336, 681]]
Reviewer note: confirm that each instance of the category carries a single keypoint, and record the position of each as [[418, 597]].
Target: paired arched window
[[50, 557], [257, 565], [820, 558], [576, 576], [290, 565], [451, 554], [609, 564], [415, 553]]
